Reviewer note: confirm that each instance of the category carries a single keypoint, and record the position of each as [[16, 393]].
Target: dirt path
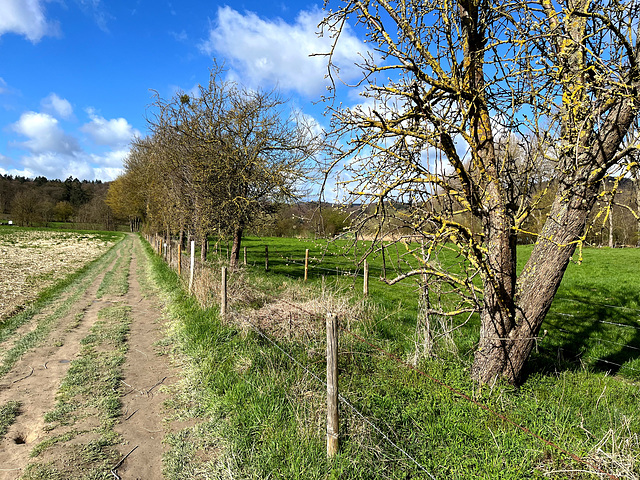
[[146, 369], [35, 381]]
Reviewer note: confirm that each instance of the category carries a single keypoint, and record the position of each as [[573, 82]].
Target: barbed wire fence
[[207, 294]]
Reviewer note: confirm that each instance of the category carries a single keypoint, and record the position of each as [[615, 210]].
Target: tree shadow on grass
[[599, 330]]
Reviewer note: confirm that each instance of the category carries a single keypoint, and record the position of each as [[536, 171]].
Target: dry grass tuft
[[615, 456], [297, 312], [617, 452]]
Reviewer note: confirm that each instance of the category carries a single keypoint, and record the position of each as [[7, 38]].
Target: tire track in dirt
[[146, 371], [31, 324], [35, 378]]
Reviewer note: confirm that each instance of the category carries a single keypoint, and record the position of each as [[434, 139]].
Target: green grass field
[[594, 320], [266, 409]]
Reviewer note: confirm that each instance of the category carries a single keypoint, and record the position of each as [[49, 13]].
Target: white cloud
[[3, 86], [107, 174], [115, 132], [112, 159], [53, 153], [54, 165], [275, 52], [18, 173], [25, 17], [44, 134], [57, 106], [78, 165]]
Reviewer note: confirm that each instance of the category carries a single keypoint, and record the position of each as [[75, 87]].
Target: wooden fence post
[[245, 254], [193, 260], [365, 286], [306, 264], [223, 293], [266, 258], [332, 385]]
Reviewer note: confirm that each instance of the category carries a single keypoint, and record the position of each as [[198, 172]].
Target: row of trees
[[215, 163], [484, 122]]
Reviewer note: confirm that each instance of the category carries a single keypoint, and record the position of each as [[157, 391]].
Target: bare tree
[[217, 161], [237, 149], [27, 207], [445, 84]]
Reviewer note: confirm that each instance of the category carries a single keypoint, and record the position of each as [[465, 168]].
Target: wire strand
[[341, 397]]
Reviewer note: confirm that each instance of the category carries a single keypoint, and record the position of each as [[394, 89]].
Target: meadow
[[33, 259], [262, 398]]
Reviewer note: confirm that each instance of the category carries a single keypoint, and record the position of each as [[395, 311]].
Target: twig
[[159, 383], [134, 412], [113, 470], [141, 352], [16, 381]]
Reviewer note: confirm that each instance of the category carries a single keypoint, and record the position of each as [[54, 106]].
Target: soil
[[36, 377]]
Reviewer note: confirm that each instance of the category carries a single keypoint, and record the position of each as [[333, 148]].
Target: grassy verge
[[261, 410]]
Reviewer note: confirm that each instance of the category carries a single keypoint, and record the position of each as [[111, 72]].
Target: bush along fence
[[210, 287]]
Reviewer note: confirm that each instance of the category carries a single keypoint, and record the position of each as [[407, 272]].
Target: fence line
[[437, 381], [599, 304], [342, 398], [481, 405]]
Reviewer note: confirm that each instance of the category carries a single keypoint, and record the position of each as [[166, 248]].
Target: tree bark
[[205, 248], [541, 276]]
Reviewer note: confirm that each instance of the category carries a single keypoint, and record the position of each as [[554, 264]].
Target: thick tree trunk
[[235, 248], [536, 289], [557, 242], [498, 315]]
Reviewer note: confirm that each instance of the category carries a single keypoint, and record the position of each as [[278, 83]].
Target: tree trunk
[[536, 288], [611, 226], [205, 247], [498, 314], [235, 248], [565, 225]]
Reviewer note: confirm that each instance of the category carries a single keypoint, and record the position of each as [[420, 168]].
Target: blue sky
[[76, 75]]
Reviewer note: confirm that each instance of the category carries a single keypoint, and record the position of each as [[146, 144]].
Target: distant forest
[[82, 204], [39, 201]]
